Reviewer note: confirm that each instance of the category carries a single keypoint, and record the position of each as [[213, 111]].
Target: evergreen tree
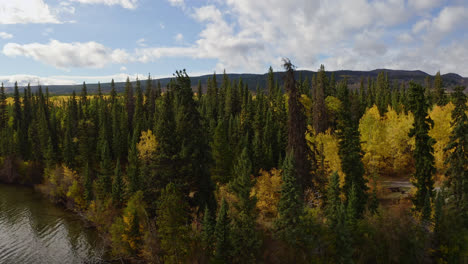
[[333, 200], [289, 225], [350, 152], [172, 225], [440, 98], [3, 109], [194, 156], [117, 185], [88, 184], [129, 102], [244, 237], [104, 180], [207, 234], [222, 155], [457, 152], [222, 235], [297, 129], [320, 118], [423, 153]]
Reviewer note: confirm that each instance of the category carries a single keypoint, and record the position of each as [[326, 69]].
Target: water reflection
[[33, 230]]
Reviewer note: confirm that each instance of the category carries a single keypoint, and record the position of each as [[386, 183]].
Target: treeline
[[285, 174]]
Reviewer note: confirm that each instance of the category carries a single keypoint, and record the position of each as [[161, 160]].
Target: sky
[[71, 41]]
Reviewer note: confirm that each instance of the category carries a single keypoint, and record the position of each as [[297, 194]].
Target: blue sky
[[70, 41]]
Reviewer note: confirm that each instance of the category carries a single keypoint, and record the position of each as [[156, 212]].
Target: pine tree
[[457, 151], [113, 93], [350, 152], [222, 235], [289, 225], [3, 109], [172, 225], [129, 102], [423, 153], [207, 234], [133, 170], [343, 239], [440, 98], [104, 180], [194, 156], [244, 237], [297, 129], [222, 154], [333, 202], [117, 185], [320, 118], [88, 184]]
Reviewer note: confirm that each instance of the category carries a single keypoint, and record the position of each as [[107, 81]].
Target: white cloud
[[5, 35], [123, 68], [405, 38], [179, 3], [24, 79], [179, 38], [26, 11], [141, 42], [47, 31], [425, 4], [447, 21], [245, 35], [66, 7], [129, 4], [162, 26], [68, 55]]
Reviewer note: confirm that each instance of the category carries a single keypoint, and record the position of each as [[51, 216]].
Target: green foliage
[[172, 225], [244, 237], [423, 153], [117, 185], [351, 154], [222, 235], [289, 226], [457, 152]]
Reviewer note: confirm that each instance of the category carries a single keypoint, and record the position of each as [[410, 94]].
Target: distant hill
[[253, 80]]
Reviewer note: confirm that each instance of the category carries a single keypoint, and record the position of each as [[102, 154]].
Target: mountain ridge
[[253, 80]]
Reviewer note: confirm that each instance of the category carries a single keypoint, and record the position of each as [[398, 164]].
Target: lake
[[34, 230]]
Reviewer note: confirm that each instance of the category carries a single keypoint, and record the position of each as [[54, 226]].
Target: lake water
[[34, 230]]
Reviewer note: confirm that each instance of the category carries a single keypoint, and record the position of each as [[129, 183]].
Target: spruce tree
[[88, 183], [350, 152], [172, 225], [244, 237], [290, 225], [296, 129], [207, 233], [440, 98], [320, 118], [457, 151], [423, 153], [117, 185], [3, 109], [333, 202], [194, 156], [222, 154], [222, 235]]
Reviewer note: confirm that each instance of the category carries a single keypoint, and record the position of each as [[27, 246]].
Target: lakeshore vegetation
[[288, 173]]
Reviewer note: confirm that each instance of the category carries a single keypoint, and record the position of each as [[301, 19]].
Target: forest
[[226, 173]]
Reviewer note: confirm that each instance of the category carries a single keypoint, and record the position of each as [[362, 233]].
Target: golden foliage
[[386, 143], [328, 145], [442, 117], [147, 145], [63, 185], [267, 190], [128, 231]]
